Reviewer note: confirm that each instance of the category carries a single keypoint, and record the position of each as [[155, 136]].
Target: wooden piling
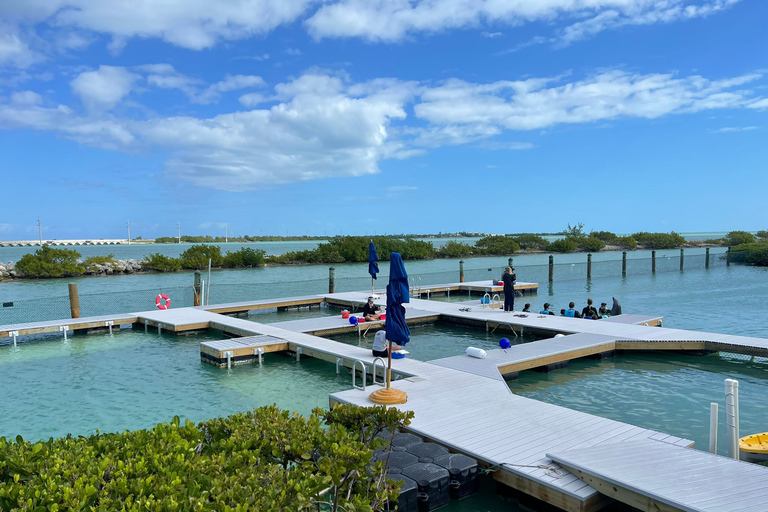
[[653, 262], [589, 266], [728, 257], [197, 287], [706, 261], [461, 271], [331, 280], [682, 258], [510, 262], [624, 263], [551, 268], [74, 300]]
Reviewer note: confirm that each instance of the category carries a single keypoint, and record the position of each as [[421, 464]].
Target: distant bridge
[[32, 243]]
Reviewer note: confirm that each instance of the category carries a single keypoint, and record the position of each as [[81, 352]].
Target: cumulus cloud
[[230, 83], [105, 87], [394, 20], [730, 129], [321, 125], [15, 50]]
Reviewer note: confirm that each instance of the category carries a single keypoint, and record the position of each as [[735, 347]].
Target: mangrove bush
[[50, 262]]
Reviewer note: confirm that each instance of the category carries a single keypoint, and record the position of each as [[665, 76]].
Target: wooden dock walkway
[[653, 476]]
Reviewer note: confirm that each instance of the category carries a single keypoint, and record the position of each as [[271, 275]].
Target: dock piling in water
[[589, 266], [624, 264], [682, 258], [706, 261], [551, 268], [728, 257], [653, 262], [74, 300], [198, 289], [331, 280], [461, 271]]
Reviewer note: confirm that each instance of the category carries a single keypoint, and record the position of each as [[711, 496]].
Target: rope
[[551, 471]]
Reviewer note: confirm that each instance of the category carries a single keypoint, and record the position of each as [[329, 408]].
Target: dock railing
[[103, 303]]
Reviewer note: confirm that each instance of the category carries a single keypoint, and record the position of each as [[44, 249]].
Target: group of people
[[588, 312]]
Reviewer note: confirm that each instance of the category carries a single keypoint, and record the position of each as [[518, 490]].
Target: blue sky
[[372, 116]]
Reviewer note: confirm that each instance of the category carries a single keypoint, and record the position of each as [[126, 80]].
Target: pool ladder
[[364, 372], [415, 283]]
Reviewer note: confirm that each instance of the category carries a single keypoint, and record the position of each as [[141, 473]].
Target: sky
[[296, 117]]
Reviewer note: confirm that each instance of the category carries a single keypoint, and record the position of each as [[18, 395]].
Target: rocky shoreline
[[130, 266]]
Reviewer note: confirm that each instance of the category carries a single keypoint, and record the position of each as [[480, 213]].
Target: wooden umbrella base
[[388, 396]]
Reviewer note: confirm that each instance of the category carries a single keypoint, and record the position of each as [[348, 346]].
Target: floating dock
[[569, 459]]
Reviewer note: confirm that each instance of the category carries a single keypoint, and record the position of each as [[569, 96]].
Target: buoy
[[505, 343], [353, 320], [344, 313], [475, 352], [159, 301]]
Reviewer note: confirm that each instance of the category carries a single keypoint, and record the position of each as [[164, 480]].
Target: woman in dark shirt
[[370, 311]]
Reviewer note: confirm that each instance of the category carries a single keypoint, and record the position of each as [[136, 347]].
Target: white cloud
[[230, 83], [251, 99], [530, 104], [193, 24], [394, 20], [5, 228], [321, 126], [759, 104], [105, 87], [15, 51], [491, 35], [729, 129], [401, 188]]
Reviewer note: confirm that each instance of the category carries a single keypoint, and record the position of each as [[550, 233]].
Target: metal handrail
[[383, 375], [354, 374]]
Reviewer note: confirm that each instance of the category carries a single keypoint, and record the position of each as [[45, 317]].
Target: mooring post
[[682, 258], [706, 261], [624, 263], [331, 280], [198, 289], [461, 271], [653, 261], [510, 262], [589, 266], [74, 300], [728, 257], [551, 268]]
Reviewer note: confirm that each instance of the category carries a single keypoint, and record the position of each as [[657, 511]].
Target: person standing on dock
[[509, 280]]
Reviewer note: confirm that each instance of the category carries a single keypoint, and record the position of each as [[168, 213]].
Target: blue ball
[[353, 320], [505, 343]]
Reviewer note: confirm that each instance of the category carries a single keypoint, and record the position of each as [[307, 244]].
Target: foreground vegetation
[[51, 262], [265, 460]]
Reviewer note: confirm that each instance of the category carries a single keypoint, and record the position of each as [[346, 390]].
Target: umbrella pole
[[388, 395], [372, 294]]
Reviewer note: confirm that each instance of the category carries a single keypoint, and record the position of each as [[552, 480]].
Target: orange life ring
[[159, 303]]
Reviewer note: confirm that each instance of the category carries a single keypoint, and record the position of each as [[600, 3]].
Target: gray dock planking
[[649, 475]]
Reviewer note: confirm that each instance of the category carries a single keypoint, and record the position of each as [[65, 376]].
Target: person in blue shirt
[[572, 313], [546, 310]]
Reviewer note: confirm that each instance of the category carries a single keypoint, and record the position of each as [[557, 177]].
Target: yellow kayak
[[754, 447]]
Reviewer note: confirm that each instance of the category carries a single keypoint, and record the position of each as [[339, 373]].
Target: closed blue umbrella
[[396, 328], [373, 267]]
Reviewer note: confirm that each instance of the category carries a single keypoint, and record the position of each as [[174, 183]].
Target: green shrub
[[738, 238], [50, 262], [166, 240], [268, 460], [530, 242], [606, 236], [669, 240], [563, 245], [161, 263], [454, 249], [626, 242], [246, 257], [99, 260], [763, 233], [755, 253], [497, 245], [197, 256], [589, 243]]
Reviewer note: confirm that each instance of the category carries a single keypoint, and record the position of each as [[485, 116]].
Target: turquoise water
[[666, 392]]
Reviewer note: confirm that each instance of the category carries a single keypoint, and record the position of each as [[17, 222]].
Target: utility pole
[[129, 231], [226, 233], [178, 226], [40, 231]]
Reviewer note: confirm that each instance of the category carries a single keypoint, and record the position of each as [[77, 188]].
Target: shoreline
[[135, 267]]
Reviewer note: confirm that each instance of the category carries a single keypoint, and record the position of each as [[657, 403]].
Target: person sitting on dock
[[604, 312], [589, 312], [572, 313], [370, 311], [527, 307], [380, 345], [562, 312], [546, 310]]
